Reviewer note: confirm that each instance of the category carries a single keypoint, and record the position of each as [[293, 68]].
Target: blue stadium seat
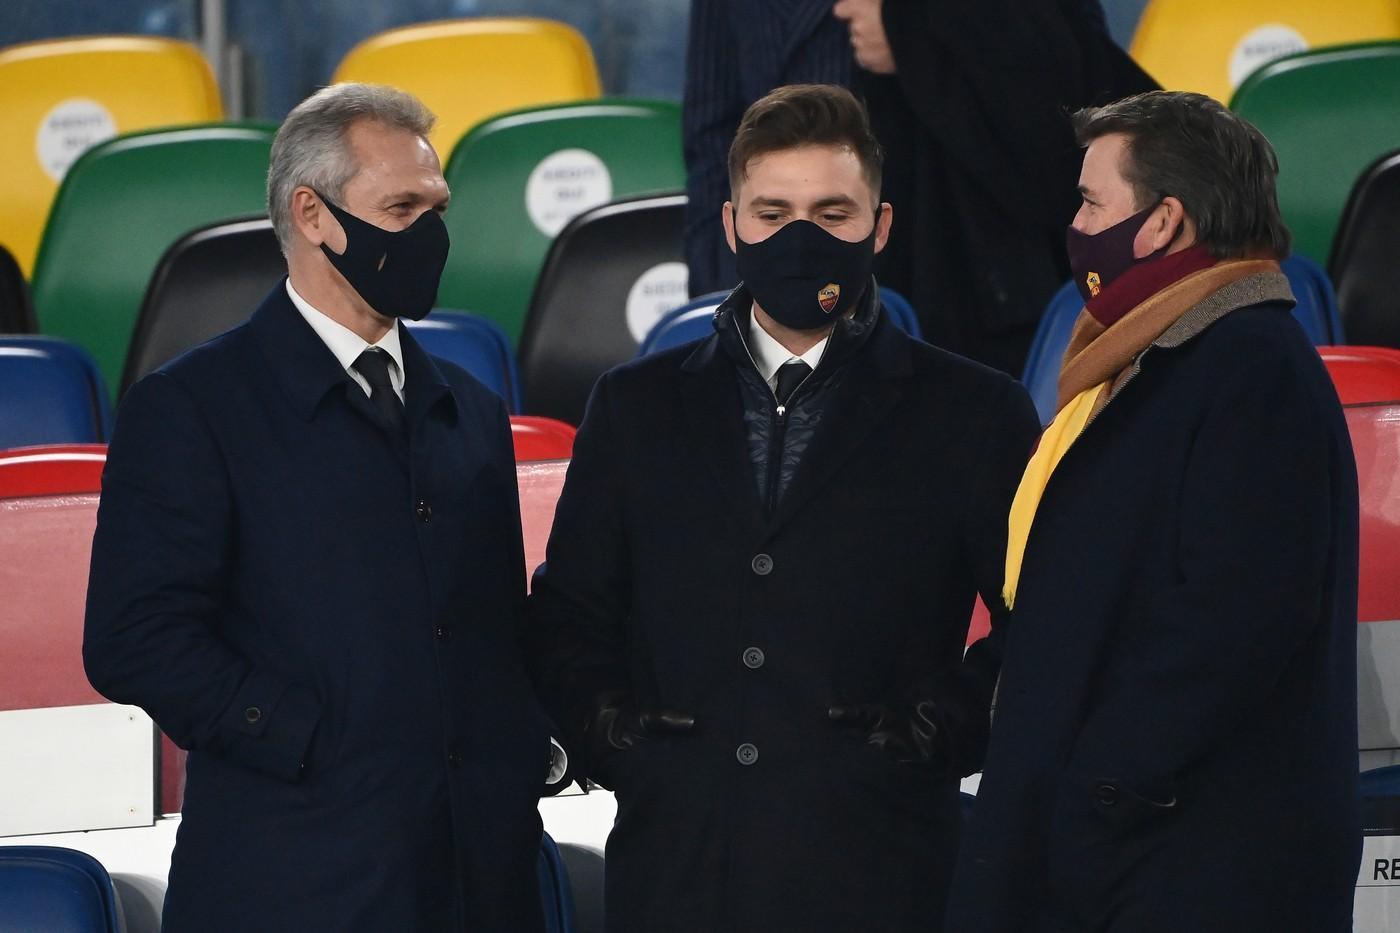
[[46, 889], [477, 345], [555, 896], [1316, 311], [52, 394], [1381, 782], [693, 321]]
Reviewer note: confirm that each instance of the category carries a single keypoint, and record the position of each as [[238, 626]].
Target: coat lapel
[[868, 396], [714, 413]]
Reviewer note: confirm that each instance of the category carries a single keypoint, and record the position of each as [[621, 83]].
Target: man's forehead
[[806, 173]]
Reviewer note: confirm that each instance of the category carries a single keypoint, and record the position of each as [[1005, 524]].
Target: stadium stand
[[1329, 113], [609, 276], [1363, 375], [1363, 263], [122, 204], [540, 438], [466, 70], [52, 394], [52, 470], [47, 889], [16, 310], [59, 96], [474, 343], [518, 179]]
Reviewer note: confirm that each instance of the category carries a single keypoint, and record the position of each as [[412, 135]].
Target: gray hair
[[312, 146]]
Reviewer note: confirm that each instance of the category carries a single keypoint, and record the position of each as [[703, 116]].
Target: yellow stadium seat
[[466, 70], [59, 97], [1211, 46]]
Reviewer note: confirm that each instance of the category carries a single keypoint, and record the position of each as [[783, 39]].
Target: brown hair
[[1217, 164], [805, 115]]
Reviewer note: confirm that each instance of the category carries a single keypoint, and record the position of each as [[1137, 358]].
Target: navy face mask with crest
[[803, 277], [395, 272]]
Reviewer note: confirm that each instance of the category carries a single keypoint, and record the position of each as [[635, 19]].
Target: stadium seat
[[539, 483], [46, 889], [16, 310], [609, 276], [51, 470], [121, 206], [1364, 254], [475, 344], [210, 280], [694, 320], [517, 179], [1315, 311], [51, 394], [1329, 114], [555, 895], [586, 868], [1381, 782], [539, 438], [1210, 47], [1363, 375], [58, 97], [466, 70]]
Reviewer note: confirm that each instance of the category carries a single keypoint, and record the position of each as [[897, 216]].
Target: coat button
[[442, 631], [454, 759], [753, 658], [423, 511], [252, 714], [1106, 794], [746, 753], [762, 565]]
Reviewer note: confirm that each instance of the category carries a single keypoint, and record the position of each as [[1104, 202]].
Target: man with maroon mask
[[752, 617], [1174, 739]]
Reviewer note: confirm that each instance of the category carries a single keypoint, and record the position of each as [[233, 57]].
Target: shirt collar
[[769, 355], [345, 344]]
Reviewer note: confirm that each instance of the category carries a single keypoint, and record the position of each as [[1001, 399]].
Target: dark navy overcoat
[[326, 617]]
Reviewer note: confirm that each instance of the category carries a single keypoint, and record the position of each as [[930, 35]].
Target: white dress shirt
[[347, 345], [769, 355]]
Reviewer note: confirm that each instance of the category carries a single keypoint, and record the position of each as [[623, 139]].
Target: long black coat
[[277, 582], [1174, 743], [663, 576]]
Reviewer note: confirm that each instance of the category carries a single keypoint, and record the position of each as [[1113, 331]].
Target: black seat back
[[16, 310], [212, 279], [1364, 264], [610, 274]]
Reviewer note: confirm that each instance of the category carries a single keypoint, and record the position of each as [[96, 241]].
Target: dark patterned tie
[[373, 364], [790, 376]]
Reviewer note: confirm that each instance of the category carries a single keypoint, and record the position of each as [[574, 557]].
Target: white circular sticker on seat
[[659, 289], [69, 130], [1261, 46], [565, 184]]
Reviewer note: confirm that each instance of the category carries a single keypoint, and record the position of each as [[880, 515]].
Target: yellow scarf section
[[1054, 443]]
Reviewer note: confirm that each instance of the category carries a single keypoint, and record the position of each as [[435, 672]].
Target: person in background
[[1174, 738], [308, 570], [752, 617]]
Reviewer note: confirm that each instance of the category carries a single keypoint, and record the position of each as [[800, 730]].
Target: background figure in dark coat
[[737, 51], [971, 101], [1174, 742], [752, 616], [308, 570]]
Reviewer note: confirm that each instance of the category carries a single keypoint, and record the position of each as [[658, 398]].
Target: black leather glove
[[619, 723], [908, 733]]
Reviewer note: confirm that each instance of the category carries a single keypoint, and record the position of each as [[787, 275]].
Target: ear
[[727, 217], [882, 226], [314, 222], [1163, 227]]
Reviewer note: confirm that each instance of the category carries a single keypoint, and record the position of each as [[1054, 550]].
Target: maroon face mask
[[1097, 259]]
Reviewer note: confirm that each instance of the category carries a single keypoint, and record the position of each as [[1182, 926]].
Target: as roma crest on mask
[[1094, 282], [828, 296]]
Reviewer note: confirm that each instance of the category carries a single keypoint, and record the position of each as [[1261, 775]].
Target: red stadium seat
[[540, 484], [61, 469], [1363, 375], [538, 438]]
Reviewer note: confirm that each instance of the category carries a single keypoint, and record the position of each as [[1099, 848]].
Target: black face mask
[[802, 276], [395, 272]]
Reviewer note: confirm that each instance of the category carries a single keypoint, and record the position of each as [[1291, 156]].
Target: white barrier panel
[[75, 768], [1378, 886]]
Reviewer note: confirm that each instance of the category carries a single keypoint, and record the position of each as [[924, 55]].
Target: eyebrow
[[1087, 193], [414, 197], [835, 200]]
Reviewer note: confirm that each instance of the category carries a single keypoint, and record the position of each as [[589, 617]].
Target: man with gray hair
[[308, 570]]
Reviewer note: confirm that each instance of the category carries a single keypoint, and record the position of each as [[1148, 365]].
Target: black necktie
[[373, 364], [790, 376]]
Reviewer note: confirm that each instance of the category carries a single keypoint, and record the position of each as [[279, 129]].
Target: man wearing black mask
[[308, 570], [752, 617]]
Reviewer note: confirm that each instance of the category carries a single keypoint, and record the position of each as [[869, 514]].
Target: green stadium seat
[[517, 179], [1329, 113], [121, 205]]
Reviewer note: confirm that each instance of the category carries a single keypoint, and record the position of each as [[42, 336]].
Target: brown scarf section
[[1097, 354]]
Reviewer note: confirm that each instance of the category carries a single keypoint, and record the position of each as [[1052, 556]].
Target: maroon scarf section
[[1144, 280]]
